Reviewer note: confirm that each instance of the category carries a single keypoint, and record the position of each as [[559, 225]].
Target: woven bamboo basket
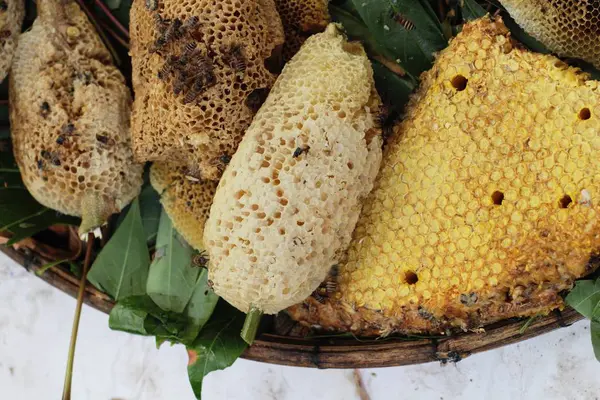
[[334, 352]]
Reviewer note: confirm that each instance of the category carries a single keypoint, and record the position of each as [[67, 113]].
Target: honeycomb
[[186, 200], [569, 28], [200, 72], [287, 204], [487, 203], [69, 118], [301, 18], [12, 13]]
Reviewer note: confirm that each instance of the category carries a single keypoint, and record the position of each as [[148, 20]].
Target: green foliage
[[121, 268], [218, 345], [172, 278], [585, 299], [471, 10]]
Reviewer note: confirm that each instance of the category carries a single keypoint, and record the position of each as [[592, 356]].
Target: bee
[[161, 23], [40, 164], [44, 109], [201, 259], [45, 154], [469, 299], [256, 98], [67, 129], [210, 283], [423, 313], [225, 159], [60, 139], [173, 31], [190, 23], [235, 58], [318, 297], [193, 93], [299, 150], [151, 5], [167, 67], [3, 5], [402, 20], [187, 52], [102, 139], [55, 160]]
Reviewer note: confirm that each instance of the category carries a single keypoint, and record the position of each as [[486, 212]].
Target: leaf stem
[[251, 324], [112, 18], [71, 357], [115, 35]]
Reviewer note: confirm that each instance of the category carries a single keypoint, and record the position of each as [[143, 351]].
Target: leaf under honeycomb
[[69, 114], [186, 200], [570, 28], [12, 13], [286, 206], [487, 203], [179, 116]]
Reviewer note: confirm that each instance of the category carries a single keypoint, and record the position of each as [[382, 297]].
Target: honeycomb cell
[[200, 73], [331, 80], [70, 112], [569, 28], [530, 224]]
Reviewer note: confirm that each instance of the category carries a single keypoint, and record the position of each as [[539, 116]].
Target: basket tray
[[332, 352]]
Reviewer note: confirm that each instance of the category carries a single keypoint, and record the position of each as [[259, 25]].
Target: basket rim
[[337, 352]]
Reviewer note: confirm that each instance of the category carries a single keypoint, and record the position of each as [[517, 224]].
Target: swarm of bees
[[192, 71]]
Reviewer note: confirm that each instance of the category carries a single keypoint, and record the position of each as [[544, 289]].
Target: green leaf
[[471, 10], [127, 319], [21, 214], [172, 277], [413, 48], [584, 297], [595, 331], [218, 345], [150, 209], [200, 307], [394, 89], [46, 267], [121, 268]]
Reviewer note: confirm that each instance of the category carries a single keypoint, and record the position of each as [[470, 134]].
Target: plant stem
[[115, 36], [251, 325], [71, 357], [112, 18]]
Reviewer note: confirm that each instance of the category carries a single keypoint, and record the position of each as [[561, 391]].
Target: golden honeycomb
[[486, 205]]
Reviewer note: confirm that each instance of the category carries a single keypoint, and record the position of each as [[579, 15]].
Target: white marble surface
[[35, 322]]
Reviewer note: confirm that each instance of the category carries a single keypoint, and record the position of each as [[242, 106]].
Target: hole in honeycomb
[[459, 82], [585, 114], [410, 277], [277, 215], [261, 215], [300, 223], [565, 201], [497, 198], [279, 193], [254, 207], [351, 165], [282, 231], [283, 202], [265, 179]]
